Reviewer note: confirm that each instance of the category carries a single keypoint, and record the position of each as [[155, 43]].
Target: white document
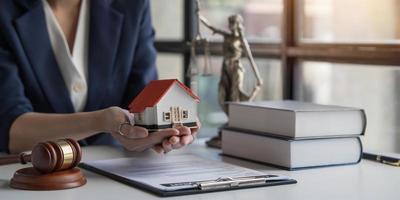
[[175, 172]]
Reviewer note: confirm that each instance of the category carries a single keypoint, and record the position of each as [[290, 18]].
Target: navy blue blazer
[[121, 61]]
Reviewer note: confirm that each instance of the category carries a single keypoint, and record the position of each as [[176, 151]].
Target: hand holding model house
[[165, 108]]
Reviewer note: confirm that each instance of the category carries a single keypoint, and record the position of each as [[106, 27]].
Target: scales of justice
[[235, 46]]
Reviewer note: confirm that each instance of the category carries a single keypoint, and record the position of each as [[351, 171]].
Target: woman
[[68, 67]]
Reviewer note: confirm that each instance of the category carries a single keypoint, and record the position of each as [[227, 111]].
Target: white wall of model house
[[147, 117], [176, 96]]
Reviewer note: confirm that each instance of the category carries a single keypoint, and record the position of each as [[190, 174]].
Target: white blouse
[[73, 66]]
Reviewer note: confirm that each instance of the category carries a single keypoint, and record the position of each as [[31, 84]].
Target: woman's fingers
[[133, 132], [185, 140], [172, 143], [186, 135], [130, 117], [156, 138], [159, 136], [183, 130], [175, 142], [158, 148], [136, 138], [167, 146]]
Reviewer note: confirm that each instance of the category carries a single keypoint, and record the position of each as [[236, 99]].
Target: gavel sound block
[[53, 167]]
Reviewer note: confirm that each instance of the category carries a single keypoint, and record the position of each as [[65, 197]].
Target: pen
[[382, 159]]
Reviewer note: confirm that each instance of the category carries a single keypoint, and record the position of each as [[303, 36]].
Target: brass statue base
[[214, 142]]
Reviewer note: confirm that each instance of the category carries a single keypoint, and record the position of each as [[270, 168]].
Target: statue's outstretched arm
[[253, 64], [249, 55], [212, 28]]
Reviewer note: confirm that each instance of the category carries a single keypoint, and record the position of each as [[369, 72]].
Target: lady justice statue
[[232, 74], [230, 87]]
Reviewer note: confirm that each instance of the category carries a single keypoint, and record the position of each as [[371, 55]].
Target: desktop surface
[[367, 180]]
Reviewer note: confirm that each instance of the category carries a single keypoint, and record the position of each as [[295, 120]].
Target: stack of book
[[294, 135]]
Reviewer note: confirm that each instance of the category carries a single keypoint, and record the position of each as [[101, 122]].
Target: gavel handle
[[22, 158]]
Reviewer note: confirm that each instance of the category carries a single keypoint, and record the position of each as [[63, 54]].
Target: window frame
[[289, 50]]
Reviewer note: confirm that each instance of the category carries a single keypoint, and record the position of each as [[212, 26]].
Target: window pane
[[210, 112], [350, 21], [374, 88], [262, 18], [167, 17], [170, 66]]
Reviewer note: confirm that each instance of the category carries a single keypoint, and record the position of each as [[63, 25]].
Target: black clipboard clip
[[228, 182]]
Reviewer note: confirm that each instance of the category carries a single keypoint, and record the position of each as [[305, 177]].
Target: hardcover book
[[294, 119], [291, 154]]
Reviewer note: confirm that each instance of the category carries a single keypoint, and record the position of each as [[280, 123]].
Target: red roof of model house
[[153, 92]]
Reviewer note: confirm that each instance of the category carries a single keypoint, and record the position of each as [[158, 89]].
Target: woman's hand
[[186, 136], [146, 140], [135, 138]]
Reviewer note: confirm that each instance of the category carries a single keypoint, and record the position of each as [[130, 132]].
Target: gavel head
[[51, 156]]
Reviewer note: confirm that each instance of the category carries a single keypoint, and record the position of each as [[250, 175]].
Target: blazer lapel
[[105, 29], [32, 30]]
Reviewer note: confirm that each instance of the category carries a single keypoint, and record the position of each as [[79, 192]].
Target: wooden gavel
[[47, 157]]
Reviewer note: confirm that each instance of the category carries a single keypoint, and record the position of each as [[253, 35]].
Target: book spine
[[365, 122], [287, 138], [226, 150], [289, 168], [249, 121]]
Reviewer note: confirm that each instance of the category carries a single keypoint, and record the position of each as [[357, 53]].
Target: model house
[[165, 104]]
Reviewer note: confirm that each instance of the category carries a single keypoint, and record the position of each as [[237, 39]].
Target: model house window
[[140, 116], [167, 116], [185, 114]]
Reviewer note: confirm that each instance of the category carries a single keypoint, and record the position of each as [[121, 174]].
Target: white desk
[[367, 180]]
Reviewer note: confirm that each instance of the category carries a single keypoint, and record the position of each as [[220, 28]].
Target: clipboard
[[195, 187]]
